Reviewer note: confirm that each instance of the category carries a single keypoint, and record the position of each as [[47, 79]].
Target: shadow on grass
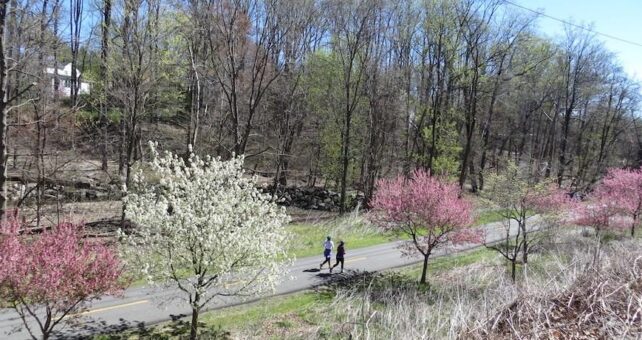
[[379, 286]]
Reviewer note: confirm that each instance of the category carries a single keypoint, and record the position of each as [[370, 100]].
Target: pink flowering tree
[[427, 209], [624, 188], [513, 194], [50, 276], [602, 213]]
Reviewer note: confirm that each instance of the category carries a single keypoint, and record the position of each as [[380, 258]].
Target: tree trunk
[[4, 109], [193, 332], [513, 270], [104, 54], [424, 270], [522, 225], [345, 160], [76, 8]]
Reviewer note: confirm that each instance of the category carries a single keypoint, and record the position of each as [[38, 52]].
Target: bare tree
[[352, 28], [4, 106], [104, 74], [578, 47], [301, 36], [246, 34]]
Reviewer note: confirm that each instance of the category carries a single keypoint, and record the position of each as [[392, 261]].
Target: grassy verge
[[488, 216], [444, 263], [301, 305], [492, 216]]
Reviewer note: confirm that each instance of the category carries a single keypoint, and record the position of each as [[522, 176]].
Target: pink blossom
[[421, 201], [55, 271], [547, 200], [623, 188], [427, 209], [598, 211]]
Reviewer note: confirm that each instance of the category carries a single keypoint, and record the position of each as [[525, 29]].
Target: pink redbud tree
[[50, 276], [600, 212], [624, 188], [427, 209]]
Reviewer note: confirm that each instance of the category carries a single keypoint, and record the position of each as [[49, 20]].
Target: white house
[[64, 84]]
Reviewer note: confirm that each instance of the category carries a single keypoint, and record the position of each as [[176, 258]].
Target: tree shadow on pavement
[[87, 328], [177, 329]]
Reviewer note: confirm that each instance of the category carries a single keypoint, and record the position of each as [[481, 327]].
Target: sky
[[618, 18]]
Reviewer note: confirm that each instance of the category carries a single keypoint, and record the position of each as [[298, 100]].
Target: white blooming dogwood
[[204, 226]]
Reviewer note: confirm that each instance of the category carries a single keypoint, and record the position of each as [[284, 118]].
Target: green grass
[[488, 216], [444, 263], [307, 239], [252, 315], [493, 215]]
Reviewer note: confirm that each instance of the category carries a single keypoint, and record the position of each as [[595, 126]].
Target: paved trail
[[144, 306]]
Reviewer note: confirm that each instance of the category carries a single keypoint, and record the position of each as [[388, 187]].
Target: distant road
[[145, 306]]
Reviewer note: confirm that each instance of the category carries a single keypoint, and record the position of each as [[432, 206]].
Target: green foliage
[[447, 147], [324, 80], [322, 74], [508, 189], [92, 116]]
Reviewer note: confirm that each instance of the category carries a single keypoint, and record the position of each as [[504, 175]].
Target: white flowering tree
[[204, 226]]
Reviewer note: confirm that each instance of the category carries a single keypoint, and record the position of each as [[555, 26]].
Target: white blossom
[[203, 225]]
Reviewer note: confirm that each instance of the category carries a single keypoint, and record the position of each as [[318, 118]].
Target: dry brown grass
[[560, 296], [601, 303]]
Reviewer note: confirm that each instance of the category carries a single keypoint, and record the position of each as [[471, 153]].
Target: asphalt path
[[141, 307]]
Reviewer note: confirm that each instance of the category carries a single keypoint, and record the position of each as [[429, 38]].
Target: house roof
[[65, 71]]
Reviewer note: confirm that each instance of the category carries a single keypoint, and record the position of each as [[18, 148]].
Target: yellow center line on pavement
[[232, 283], [98, 310], [356, 259]]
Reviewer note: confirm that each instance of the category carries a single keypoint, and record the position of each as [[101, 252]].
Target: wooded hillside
[[313, 92]]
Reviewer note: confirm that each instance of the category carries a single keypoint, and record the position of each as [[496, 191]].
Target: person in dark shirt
[[341, 252]]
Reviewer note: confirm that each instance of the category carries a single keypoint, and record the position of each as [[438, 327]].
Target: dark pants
[[339, 260]]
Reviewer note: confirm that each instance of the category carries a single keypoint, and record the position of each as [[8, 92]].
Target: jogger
[[328, 245], [341, 251]]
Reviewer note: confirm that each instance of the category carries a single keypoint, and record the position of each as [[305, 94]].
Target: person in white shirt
[[328, 245]]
